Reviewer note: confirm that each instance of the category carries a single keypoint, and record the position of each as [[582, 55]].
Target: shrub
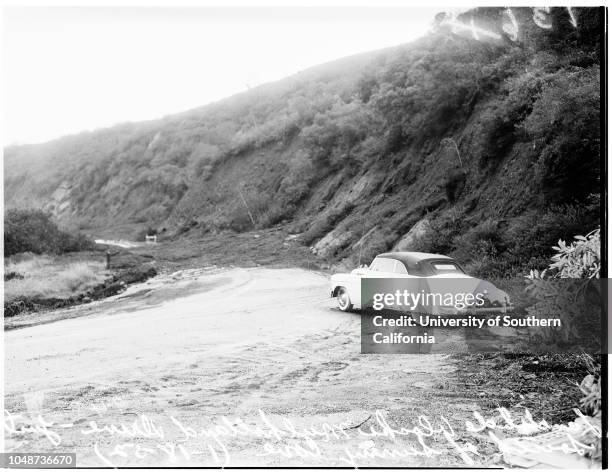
[[580, 259], [274, 214], [565, 121], [258, 210], [13, 276], [238, 219], [454, 185], [333, 135], [394, 139], [481, 240], [441, 234], [32, 230], [365, 86], [529, 238], [297, 182], [561, 290], [203, 160]]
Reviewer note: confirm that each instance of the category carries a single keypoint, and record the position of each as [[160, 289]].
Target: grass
[[51, 277]]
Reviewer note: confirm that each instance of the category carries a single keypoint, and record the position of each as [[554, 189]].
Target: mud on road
[[228, 367]]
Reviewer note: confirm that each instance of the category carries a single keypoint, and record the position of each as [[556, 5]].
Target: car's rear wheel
[[343, 299]]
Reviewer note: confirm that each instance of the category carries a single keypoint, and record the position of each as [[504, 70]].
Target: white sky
[[68, 69]]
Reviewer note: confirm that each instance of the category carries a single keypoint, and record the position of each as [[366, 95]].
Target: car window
[[400, 268], [383, 265], [445, 267], [387, 265]]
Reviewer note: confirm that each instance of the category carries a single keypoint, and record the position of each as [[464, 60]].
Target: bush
[[441, 234], [454, 185], [274, 214], [569, 294], [32, 230], [530, 237], [565, 122], [236, 218], [13, 276], [334, 136], [394, 139], [580, 259]]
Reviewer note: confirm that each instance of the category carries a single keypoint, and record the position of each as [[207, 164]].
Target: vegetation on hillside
[[492, 148], [32, 230]]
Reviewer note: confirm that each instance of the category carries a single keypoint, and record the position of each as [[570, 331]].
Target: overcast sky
[[68, 69]]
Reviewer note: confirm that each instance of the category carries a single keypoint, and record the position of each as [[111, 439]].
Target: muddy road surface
[[233, 367]]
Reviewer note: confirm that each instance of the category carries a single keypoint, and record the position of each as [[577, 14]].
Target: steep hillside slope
[[488, 150]]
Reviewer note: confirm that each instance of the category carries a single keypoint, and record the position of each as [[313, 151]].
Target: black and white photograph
[[304, 235]]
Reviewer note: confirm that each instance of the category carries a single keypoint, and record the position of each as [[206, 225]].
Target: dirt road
[[226, 367]]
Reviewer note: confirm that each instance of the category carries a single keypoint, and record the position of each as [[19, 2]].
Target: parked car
[[346, 287]]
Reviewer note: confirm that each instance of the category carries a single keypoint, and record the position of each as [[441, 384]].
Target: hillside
[[486, 150]]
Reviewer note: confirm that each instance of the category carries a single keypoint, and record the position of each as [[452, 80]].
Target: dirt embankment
[[126, 268]]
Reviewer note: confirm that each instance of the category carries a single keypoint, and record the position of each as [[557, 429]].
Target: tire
[[343, 299]]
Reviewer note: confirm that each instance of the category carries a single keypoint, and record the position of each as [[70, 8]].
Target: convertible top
[[421, 264]]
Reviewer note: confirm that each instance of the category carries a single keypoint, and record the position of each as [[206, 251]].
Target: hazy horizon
[[69, 70]]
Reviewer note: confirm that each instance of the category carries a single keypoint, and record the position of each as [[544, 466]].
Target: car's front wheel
[[343, 299]]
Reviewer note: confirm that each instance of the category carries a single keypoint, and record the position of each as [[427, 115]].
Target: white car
[[346, 287]]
